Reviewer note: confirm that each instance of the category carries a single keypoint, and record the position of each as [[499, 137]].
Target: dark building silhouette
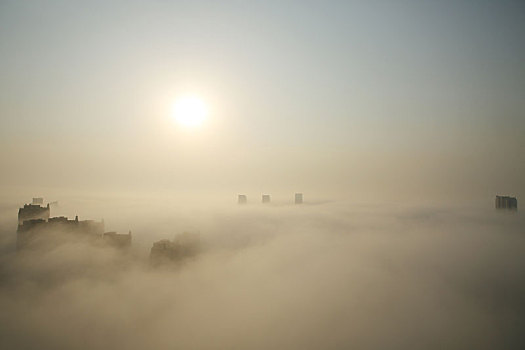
[[184, 246], [117, 240], [36, 226], [31, 212], [298, 198], [506, 202], [242, 199], [266, 198], [56, 230]]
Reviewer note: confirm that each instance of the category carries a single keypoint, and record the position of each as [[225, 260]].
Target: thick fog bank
[[326, 276]]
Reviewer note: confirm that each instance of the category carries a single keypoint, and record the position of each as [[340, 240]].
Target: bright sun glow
[[190, 111]]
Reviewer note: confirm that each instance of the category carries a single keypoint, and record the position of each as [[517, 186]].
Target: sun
[[190, 111]]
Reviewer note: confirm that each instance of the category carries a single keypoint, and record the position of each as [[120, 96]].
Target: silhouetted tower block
[[242, 199], [31, 212], [38, 201], [505, 202], [266, 198], [45, 230], [298, 198]]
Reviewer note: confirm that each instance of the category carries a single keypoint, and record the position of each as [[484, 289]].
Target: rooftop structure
[[506, 202], [117, 240], [36, 225], [57, 229], [32, 212], [242, 199], [184, 246]]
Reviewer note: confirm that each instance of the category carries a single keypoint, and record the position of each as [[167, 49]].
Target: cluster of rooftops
[[35, 222], [36, 227]]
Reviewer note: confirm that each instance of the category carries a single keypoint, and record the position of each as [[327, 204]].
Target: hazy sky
[[378, 98], [406, 101]]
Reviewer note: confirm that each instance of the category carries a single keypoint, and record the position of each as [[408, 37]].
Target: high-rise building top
[[184, 246], [266, 198], [117, 240], [298, 198], [506, 202], [242, 199], [36, 225], [32, 212]]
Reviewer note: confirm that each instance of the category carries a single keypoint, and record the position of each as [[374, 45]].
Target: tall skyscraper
[[298, 198]]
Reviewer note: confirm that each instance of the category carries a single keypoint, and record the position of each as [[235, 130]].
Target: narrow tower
[[298, 198]]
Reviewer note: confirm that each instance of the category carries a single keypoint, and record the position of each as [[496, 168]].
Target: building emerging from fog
[[266, 198], [58, 230], [505, 202], [242, 199], [33, 212], [36, 226], [117, 240], [184, 246], [298, 198]]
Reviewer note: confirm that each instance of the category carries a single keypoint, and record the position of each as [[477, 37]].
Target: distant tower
[[298, 198], [266, 198], [38, 201], [242, 199], [505, 202]]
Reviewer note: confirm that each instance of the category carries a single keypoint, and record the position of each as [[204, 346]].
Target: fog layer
[[324, 276]]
